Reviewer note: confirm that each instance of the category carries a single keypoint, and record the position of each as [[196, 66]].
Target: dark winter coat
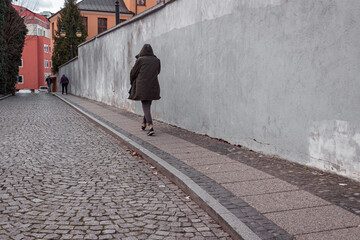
[[48, 80], [64, 80], [143, 76]]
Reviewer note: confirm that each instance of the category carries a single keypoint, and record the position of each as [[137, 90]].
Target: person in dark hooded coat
[[144, 82]]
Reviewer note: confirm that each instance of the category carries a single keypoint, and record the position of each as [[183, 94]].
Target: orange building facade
[[96, 20], [139, 6], [36, 56], [99, 20]]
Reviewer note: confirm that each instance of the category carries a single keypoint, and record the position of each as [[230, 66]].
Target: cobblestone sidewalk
[[62, 177]]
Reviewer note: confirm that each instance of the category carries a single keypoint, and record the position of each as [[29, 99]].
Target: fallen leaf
[[135, 154]]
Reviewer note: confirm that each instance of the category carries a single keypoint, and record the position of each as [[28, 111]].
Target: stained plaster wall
[[276, 76]]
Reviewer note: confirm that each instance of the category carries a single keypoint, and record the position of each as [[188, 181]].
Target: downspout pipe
[[117, 12]]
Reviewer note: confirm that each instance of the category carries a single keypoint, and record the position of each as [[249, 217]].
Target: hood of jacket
[[145, 51]]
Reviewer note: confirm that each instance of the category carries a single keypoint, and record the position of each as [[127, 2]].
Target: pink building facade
[[36, 57]]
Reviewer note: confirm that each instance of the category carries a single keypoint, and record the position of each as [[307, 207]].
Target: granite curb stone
[[2, 97]]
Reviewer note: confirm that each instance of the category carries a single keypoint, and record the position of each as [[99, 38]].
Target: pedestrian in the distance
[[64, 83], [145, 84], [48, 82]]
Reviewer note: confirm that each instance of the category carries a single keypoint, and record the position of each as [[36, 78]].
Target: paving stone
[[314, 219], [52, 236], [275, 202], [63, 177], [224, 167], [250, 188], [333, 188], [194, 155], [348, 234], [238, 176], [105, 237], [91, 236], [207, 160], [216, 190]]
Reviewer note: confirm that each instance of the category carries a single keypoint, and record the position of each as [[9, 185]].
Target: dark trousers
[[49, 87], [146, 105], [64, 86]]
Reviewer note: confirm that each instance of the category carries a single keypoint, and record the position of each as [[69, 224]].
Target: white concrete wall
[[276, 76]]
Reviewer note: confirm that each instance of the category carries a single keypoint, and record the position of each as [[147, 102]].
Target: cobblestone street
[[62, 177]]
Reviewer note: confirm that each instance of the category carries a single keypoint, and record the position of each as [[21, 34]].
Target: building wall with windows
[[90, 19], [53, 28], [93, 19], [36, 56], [139, 6], [28, 72], [38, 30]]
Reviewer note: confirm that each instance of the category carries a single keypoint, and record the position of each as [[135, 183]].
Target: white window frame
[[46, 48], [46, 64], [21, 64], [22, 77], [49, 46]]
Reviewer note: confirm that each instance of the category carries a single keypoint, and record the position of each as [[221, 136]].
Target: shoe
[[143, 127], [151, 132]]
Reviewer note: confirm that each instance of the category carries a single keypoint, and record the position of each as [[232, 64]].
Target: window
[[20, 79], [49, 49], [50, 63], [46, 63], [85, 23], [41, 32], [102, 25], [21, 63], [46, 48], [21, 10], [140, 2]]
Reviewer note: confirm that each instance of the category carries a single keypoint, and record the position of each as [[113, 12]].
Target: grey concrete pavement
[[274, 198], [63, 177]]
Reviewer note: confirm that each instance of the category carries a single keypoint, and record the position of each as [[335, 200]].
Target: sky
[[38, 6]]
